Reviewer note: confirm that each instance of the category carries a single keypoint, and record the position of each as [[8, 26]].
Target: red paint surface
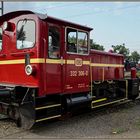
[[52, 78], [133, 72], [109, 72]]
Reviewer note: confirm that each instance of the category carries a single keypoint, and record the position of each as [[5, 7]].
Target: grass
[[138, 74], [118, 131]]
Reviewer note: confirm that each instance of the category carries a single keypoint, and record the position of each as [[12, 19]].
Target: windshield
[[25, 34]]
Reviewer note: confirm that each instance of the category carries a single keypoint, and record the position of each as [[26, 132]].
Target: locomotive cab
[[19, 45], [39, 53], [19, 67]]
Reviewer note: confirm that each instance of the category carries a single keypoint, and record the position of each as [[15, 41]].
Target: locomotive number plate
[[79, 73]]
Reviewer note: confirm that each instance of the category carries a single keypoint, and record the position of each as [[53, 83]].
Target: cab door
[[53, 60], [77, 61]]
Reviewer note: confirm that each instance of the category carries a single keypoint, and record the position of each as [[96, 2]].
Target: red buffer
[[133, 72]]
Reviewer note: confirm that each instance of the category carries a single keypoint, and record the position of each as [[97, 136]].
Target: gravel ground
[[121, 121]]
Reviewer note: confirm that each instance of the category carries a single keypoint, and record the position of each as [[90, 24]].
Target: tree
[[121, 49], [135, 57], [96, 46], [72, 39]]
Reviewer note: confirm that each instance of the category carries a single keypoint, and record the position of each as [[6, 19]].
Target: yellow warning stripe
[[100, 100], [43, 119], [70, 62], [58, 61], [106, 65], [53, 61], [37, 60], [49, 106], [86, 62], [20, 61], [108, 103]]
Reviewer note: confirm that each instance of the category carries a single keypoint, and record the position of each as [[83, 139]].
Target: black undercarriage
[[24, 106]]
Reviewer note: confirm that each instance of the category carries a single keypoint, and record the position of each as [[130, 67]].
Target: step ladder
[[47, 110]]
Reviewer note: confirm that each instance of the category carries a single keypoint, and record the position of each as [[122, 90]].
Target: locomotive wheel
[[26, 116]]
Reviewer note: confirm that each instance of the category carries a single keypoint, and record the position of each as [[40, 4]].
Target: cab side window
[[77, 41], [54, 42], [71, 40], [82, 43], [25, 34], [0, 39]]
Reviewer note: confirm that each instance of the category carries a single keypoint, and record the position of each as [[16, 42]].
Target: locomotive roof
[[44, 17], [105, 53]]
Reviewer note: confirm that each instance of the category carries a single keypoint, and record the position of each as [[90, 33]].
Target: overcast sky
[[113, 22]]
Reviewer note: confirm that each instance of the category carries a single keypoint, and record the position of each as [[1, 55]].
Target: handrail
[[21, 53]]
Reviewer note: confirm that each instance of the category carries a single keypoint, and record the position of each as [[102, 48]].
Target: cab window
[[0, 38], [25, 34], [82, 43], [54, 42], [72, 40], [77, 41]]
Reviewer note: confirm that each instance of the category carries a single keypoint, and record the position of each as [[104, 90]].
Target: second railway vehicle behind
[[48, 69]]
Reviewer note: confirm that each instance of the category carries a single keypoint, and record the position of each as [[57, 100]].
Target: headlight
[[28, 69], [5, 25]]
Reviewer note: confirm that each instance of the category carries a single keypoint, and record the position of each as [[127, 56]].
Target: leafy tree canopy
[[135, 56], [96, 46], [121, 49]]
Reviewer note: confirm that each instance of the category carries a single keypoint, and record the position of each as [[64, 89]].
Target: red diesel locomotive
[[48, 69]]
